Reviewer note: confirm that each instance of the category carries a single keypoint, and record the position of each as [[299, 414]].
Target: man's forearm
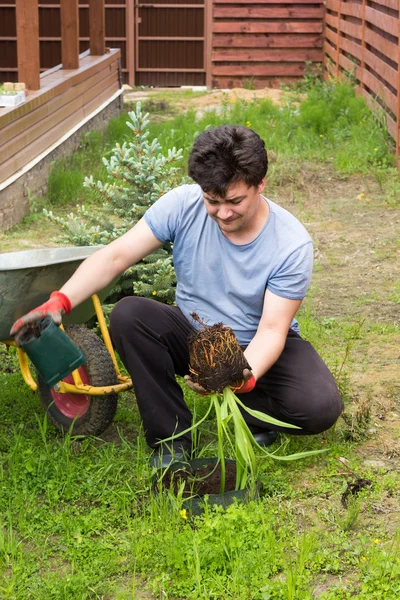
[[97, 271], [264, 350]]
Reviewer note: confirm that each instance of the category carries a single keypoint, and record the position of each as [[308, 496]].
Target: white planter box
[[12, 99]]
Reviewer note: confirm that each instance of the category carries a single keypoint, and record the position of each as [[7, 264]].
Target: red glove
[[246, 386], [58, 305]]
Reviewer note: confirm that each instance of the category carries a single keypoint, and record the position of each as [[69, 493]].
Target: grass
[[79, 519], [330, 125]]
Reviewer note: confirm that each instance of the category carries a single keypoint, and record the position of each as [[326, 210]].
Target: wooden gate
[[170, 42]]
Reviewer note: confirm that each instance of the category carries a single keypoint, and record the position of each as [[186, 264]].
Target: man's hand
[[196, 387], [249, 381], [58, 305]]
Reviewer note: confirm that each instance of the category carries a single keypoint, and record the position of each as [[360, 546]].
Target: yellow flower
[[363, 558], [248, 124], [377, 541], [360, 196], [320, 135], [154, 293], [183, 513], [232, 100], [375, 149]]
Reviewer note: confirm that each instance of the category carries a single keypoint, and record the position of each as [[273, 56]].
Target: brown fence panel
[[266, 42], [362, 41], [170, 38]]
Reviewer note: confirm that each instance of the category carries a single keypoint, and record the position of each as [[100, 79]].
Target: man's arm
[[268, 343], [103, 266]]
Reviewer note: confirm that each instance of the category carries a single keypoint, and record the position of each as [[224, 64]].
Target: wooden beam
[[259, 26], [27, 19], [268, 12], [208, 20], [97, 27], [130, 41], [69, 14], [268, 40]]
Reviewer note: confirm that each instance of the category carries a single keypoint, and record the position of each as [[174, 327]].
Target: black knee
[[127, 312], [323, 411]]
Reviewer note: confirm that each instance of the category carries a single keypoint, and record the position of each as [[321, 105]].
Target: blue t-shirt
[[222, 281]]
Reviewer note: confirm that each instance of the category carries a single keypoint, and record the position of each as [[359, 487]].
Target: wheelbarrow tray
[[27, 279]]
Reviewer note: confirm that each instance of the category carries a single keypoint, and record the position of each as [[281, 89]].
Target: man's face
[[239, 207]]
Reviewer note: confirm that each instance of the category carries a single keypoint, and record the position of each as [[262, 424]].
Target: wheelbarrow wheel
[[81, 413]]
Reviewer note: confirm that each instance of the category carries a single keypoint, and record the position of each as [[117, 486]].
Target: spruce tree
[[138, 173]]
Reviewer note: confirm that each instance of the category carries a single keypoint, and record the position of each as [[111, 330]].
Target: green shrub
[[138, 173]]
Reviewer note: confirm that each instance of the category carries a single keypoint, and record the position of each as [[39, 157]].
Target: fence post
[[97, 27], [27, 19], [130, 41], [338, 39], [69, 15], [208, 21]]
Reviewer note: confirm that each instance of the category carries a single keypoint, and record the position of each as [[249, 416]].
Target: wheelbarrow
[[86, 400]]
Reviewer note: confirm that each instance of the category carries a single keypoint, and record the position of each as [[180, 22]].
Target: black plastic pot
[[195, 506]]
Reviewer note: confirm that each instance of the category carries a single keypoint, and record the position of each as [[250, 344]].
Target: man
[[240, 259]]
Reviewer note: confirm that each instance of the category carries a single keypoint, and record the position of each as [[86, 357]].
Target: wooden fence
[[218, 43], [362, 41], [264, 42]]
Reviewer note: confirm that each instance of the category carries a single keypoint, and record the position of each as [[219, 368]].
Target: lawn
[[79, 517]]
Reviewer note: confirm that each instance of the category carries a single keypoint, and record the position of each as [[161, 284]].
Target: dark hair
[[227, 154]]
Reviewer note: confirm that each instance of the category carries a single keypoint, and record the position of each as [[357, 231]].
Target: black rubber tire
[[101, 371]]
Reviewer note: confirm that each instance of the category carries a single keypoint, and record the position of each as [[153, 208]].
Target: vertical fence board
[[130, 40], [208, 19]]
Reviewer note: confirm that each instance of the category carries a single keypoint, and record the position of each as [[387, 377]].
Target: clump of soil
[[216, 358], [202, 481], [32, 331]]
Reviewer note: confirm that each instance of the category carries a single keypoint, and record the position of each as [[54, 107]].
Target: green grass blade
[[295, 456], [189, 429], [262, 416], [220, 430]]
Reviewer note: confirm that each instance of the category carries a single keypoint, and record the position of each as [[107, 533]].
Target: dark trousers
[[151, 339]]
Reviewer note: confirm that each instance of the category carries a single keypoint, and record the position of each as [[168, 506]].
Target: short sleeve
[[164, 215], [292, 279]]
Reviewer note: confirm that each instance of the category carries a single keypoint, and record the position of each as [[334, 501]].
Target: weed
[[358, 421], [248, 83]]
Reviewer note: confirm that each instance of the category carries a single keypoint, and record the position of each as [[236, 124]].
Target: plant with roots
[[216, 360]]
